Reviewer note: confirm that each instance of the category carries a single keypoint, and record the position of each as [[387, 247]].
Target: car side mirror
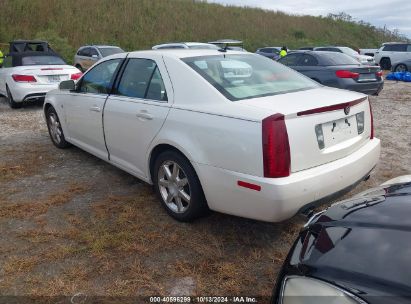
[[94, 56], [67, 85]]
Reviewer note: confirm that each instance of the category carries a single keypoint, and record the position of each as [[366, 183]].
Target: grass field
[[139, 24]]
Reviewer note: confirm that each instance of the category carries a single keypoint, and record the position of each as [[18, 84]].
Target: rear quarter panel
[[214, 140]]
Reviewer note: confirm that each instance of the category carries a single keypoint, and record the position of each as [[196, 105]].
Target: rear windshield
[[331, 58], [248, 76], [110, 51], [42, 60]]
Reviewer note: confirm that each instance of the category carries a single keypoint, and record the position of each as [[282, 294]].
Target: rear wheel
[[385, 63], [401, 68], [178, 187], [55, 130], [10, 100]]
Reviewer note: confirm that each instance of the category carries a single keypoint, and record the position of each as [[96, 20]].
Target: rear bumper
[[27, 91], [281, 198], [368, 88]]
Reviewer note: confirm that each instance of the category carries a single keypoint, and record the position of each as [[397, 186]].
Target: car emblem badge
[[347, 110]]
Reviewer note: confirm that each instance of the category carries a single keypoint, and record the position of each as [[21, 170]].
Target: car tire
[[385, 63], [10, 100], [55, 130], [401, 68], [178, 187]]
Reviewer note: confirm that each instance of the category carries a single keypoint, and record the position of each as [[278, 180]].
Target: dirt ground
[[72, 224]]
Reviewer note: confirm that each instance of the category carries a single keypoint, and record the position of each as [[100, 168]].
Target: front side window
[[142, 79], [42, 60], [409, 48], [248, 76], [290, 59], [99, 79]]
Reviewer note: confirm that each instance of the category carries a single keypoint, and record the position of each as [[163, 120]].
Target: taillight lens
[[379, 74], [346, 74], [276, 148], [23, 78], [76, 76], [372, 120]]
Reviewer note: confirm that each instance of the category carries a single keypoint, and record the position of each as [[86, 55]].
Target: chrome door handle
[[143, 115], [95, 109]]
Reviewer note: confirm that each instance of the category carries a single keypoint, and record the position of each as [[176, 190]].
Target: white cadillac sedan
[[228, 131], [28, 76]]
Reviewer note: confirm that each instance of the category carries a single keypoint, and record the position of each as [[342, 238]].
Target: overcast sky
[[395, 14]]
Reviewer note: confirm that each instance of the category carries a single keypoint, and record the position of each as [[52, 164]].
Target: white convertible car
[[228, 131], [28, 76]]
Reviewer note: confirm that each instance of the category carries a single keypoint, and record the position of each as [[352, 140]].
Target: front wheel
[[55, 130], [178, 187], [10, 100]]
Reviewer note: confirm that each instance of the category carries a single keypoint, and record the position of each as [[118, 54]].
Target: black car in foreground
[[336, 70], [357, 251]]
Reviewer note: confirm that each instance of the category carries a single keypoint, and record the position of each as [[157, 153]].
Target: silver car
[[88, 55]]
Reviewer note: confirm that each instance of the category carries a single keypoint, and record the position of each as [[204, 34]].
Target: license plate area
[[54, 78], [367, 77], [339, 130]]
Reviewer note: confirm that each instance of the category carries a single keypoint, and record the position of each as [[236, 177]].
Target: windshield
[[42, 60], [248, 76], [107, 51], [349, 51]]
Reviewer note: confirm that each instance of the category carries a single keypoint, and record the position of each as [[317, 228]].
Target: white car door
[[4, 71], [136, 111], [84, 108]]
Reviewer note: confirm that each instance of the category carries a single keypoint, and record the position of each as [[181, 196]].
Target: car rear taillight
[[346, 74], [379, 74], [372, 121], [276, 148], [23, 78], [76, 76]]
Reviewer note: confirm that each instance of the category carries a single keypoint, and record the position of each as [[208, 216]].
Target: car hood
[[363, 243]]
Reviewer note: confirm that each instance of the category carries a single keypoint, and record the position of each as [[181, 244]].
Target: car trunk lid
[[322, 124], [47, 74]]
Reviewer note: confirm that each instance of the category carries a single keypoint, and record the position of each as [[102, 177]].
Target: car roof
[[99, 46], [184, 53]]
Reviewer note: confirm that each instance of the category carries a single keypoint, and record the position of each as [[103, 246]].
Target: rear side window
[[93, 51], [396, 48], [142, 79], [99, 79], [42, 60], [308, 60], [409, 48], [337, 59]]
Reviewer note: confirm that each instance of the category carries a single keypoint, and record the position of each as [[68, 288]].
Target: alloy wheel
[[401, 68], [174, 187], [55, 128]]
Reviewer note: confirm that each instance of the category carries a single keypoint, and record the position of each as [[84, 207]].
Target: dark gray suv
[[88, 55]]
